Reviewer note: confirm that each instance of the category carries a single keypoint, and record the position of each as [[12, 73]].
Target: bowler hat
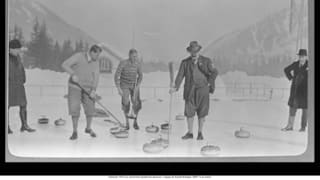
[[192, 45], [15, 44], [302, 52]]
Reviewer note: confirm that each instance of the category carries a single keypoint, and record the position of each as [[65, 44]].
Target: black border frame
[[163, 168]]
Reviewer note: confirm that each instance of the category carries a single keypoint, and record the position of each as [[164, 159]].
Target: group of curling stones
[[44, 120], [159, 144]]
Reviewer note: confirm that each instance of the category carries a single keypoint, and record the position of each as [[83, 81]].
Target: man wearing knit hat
[[17, 78], [200, 78], [83, 68], [128, 78]]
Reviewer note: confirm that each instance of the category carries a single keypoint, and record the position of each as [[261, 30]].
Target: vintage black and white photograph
[[157, 78]]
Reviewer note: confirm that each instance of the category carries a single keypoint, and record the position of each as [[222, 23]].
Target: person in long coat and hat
[[200, 76], [17, 78], [297, 73]]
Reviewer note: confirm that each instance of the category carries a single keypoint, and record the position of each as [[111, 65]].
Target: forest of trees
[[46, 53], [43, 52]]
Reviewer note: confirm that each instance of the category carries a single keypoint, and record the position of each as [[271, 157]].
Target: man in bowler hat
[[17, 78], [200, 76], [297, 73]]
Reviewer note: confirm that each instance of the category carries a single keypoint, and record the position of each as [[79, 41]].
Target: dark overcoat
[[186, 71], [17, 78], [299, 86]]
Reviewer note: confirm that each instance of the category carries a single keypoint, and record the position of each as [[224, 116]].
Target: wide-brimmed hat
[[302, 52], [15, 44], [194, 45]]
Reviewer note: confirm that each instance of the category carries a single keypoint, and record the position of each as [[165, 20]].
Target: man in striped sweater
[[128, 78]]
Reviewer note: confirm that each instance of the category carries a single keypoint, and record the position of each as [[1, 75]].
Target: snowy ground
[[263, 118]]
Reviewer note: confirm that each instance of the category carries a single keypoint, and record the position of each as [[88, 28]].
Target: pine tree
[[56, 64], [40, 47], [67, 50], [31, 56]]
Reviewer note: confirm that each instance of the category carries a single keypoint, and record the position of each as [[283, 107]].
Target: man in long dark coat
[[200, 76], [299, 90], [17, 78]]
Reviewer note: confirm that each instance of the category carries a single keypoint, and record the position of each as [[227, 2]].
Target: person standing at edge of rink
[[83, 68], [299, 90], [17, 78], [128, 78], [200, 76]]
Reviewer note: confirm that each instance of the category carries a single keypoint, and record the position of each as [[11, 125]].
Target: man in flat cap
[[200, 76], [83, 68], [297, 73], [17, 78]]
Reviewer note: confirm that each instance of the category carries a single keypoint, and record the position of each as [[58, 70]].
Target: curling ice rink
[[263, 119]]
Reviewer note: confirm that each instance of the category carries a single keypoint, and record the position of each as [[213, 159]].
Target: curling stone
[[180, 117], [165, 126], [160, 100], [121, 134], [115, 129], [60, 122], [65, 96], [210, 150], [161, 141], [43, 120], [152, 148], [152, 129], [242, 133]]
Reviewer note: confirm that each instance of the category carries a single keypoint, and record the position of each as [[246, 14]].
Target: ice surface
[[263, 119]]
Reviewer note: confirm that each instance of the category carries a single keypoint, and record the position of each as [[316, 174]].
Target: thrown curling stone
[[156, 145], [152, 148], [160, 100], [161, 141], [60, 122], [180, 117], [242, 133], [210, 150], [115, 129], [121, 134], [152, 129], [43, 120]]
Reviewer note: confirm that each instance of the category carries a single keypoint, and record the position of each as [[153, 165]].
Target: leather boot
[[289, 126], [127, 126], [303, 121], [24, 124], [9, 130]]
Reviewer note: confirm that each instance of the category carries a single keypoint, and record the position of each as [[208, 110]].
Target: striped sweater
[[128, 74]]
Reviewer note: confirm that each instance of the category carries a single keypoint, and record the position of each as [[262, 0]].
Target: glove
[[93, 94], [211, 89], [75, 78], [172, 90]]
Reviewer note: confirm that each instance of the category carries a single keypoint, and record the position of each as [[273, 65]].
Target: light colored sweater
[[86, 69]]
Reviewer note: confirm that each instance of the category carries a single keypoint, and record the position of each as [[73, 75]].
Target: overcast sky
[[157, 22]]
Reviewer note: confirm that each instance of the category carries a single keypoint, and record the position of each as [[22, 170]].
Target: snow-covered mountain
[[23, 13], [263, 40]]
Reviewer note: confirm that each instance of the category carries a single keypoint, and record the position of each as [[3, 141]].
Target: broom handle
[[103, 107], [170, 105]]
